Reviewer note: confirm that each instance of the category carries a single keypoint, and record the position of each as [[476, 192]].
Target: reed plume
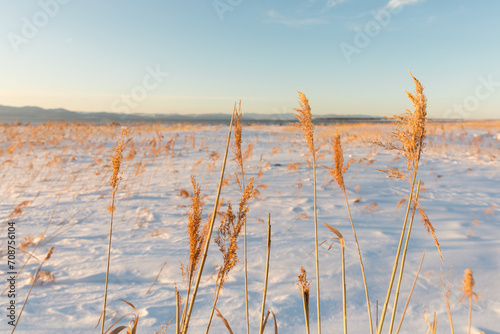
[[338, 175], [467, 288], [339, 170], [238, 155], [114, 181], [429, 228], [305, 122], [305, 118], [227, 240], [196, 234], [409, 133]]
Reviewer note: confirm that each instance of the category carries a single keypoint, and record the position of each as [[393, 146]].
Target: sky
[[193, 57]]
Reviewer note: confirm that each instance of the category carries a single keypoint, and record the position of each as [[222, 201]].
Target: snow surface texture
[[63, 171]]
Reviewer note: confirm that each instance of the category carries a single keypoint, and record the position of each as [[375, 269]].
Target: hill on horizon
[[32, 114]]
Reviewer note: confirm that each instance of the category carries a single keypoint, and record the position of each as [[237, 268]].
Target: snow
[[64, 169]]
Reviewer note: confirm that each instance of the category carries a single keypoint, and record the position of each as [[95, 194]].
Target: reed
[[447, 293], [340, 239], [409, 295], [338, 175], [408, 139], [468, 293], [432, 326], [304, 288], [403, 260], [113, 182], [266, 276], [196, 235], [305, 122], [239, 158], [227, 240], [209, 232]]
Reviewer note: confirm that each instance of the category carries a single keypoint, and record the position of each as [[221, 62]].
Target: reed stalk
[[411, 292], [232, 224], [114, 182], [446, 293], [239, 160], [49, 254], [316, 243], [403, 259], [266, 277], [305, 299], [408, 136], [213, 310], [341, 240], [177, 313], [396, 261], [209, 233], [305, 287], [305, 118], [338, 175], [344, 292]]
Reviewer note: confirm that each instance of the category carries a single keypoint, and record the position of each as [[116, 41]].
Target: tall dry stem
[[403, 259], [177, 312], [227, 240], [113, 182], [239, 157], [266, 277], [209, 232], [411, 292], [338, 175], [340, 239], [305, 118], [304, 288], [446, 293]]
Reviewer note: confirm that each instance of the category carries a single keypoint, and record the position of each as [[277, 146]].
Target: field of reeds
[[350, 219]]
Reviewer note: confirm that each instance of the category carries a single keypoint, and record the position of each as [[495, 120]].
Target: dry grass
[[305, 288], [305, 122], [408, 139], [114, 181], [33, 282], [468, 292], [338, 175], [340, 239], [58, 145]]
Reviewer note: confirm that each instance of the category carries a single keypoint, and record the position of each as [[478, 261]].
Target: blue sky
[[157, 56]]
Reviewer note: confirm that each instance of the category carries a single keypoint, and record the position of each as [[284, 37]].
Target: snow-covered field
[[54, 184]]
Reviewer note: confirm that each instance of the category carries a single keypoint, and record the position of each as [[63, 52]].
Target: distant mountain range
[[37, 115]]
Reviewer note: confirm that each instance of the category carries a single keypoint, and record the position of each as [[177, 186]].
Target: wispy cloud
[[274, 17], [333, 3], [400, 3]]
